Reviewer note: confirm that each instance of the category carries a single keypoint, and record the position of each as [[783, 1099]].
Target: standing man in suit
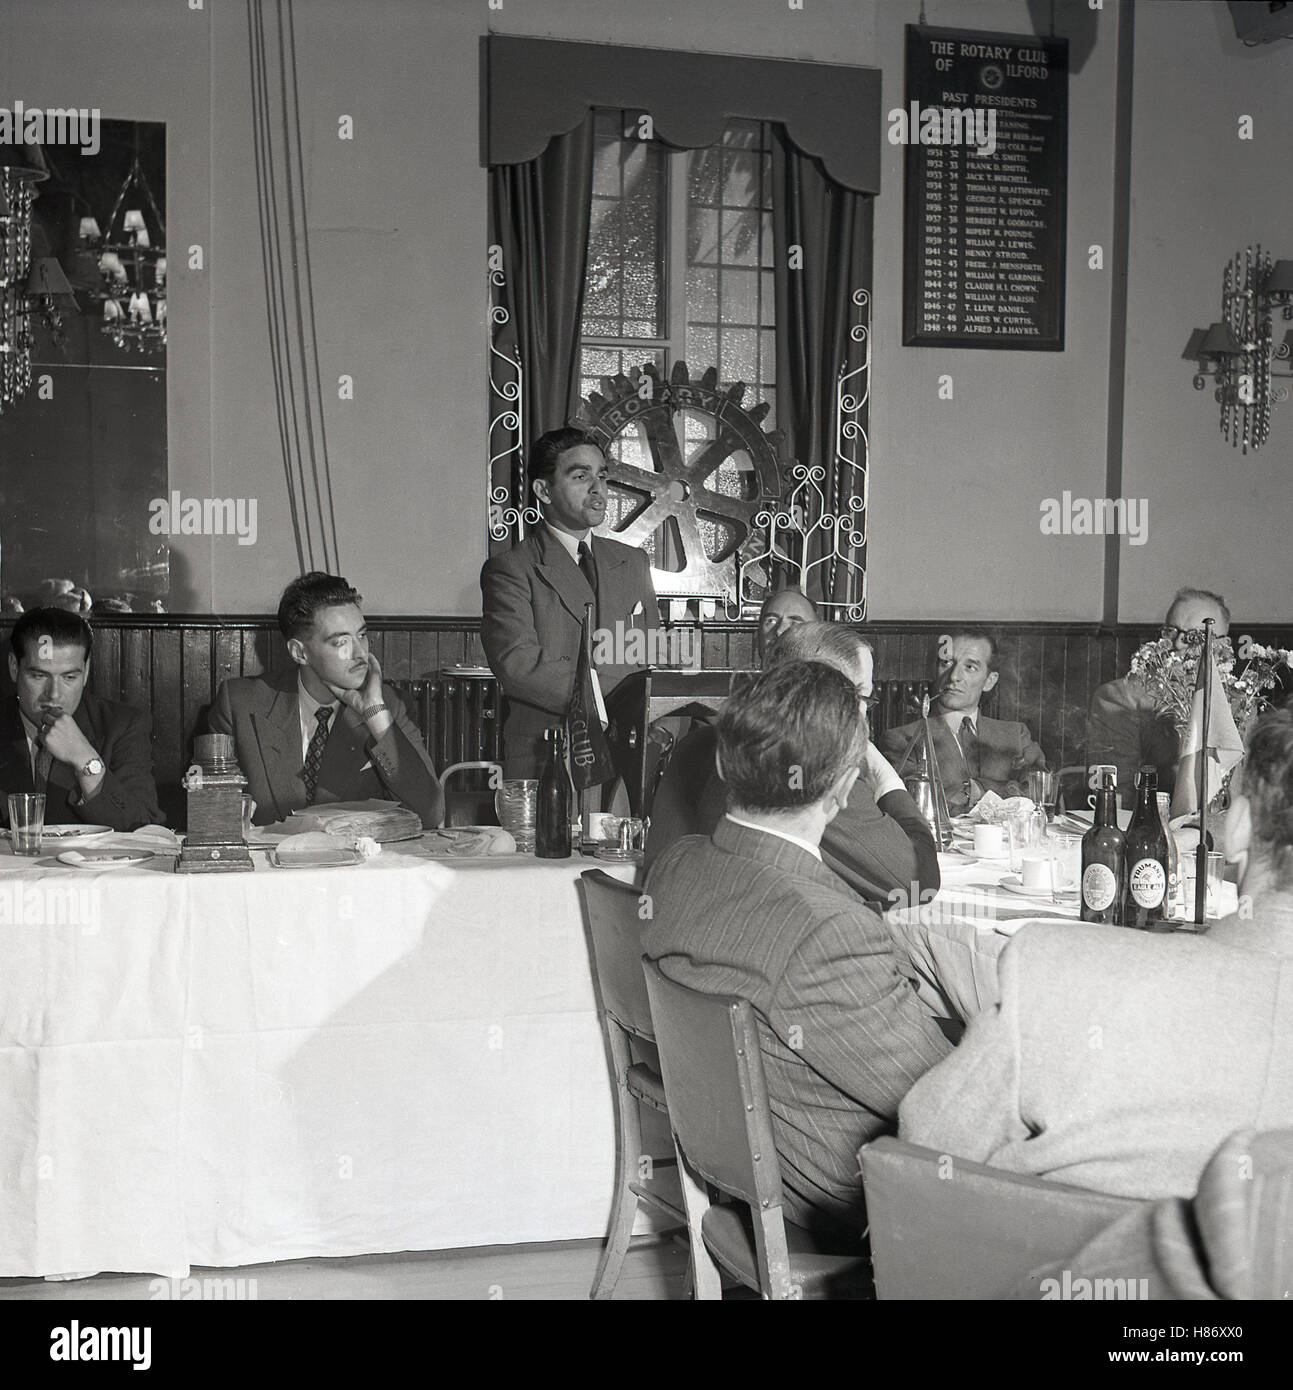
[[534, 596], [975, 754], [328, 729], [1124, 726], [93, 758], [755, 912]]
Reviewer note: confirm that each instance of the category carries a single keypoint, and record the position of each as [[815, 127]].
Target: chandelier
[[1239, 351], [132, 270]]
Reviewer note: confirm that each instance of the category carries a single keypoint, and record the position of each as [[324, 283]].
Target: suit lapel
[[278, 738], [562, 574]]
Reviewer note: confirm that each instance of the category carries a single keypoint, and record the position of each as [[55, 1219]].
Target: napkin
[[992, 809], [154, 837], [306, 845], [469, 842]]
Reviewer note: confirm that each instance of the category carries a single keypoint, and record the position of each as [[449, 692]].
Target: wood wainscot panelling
[[172, 665]]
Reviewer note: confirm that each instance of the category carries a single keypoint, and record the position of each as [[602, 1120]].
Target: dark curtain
[[815, 315], [539, 215]]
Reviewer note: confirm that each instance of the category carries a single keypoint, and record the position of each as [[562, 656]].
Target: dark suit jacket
[[263, 715], [1006, 752], [876, 848], [842, 1033], [1116, 1060], [533, 611], [123, 738], [1124, 728]]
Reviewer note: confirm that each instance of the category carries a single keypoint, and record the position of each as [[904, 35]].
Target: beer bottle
[[552, 814], [1147, 862], [1174, 906], [1104, 865]]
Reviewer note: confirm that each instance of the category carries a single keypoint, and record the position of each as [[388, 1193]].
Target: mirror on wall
[[83, 465]]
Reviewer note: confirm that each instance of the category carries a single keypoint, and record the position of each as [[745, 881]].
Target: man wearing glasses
[[1124, 728]]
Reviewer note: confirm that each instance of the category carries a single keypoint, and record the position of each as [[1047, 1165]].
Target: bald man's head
[[780, 611]]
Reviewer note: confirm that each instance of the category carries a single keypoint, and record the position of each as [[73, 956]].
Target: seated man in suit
[[755, 912], [975, 754], [781, 611], [93, 758], [534, 597], [328, 729], [1124, 727], [1116, 1060], [879, 844]]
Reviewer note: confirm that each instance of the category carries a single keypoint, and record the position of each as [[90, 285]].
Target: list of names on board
[[986, 131]]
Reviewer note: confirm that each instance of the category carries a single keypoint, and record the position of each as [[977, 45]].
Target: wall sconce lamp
[[1239, 350]]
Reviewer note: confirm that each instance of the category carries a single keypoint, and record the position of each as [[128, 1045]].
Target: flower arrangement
[[1170, 677]]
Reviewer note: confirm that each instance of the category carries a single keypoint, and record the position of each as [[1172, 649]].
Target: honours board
[[986, 130]]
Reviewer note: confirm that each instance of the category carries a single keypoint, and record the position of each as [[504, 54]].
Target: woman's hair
[[1268, 783]]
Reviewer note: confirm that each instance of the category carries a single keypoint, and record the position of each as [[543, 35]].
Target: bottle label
[[1099, 887], [1148, 882]]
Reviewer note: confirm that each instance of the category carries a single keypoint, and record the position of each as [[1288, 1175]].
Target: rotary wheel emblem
[[706, 469]]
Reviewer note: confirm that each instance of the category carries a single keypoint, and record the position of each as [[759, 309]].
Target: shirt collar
[[954, 718], [570, 544], [780, 834], [309, 705]]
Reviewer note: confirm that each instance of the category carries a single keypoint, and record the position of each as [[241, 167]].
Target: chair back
[[718, 1098], [471, 805], [611, 911]]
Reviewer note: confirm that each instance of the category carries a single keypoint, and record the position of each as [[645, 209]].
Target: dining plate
[[71, 834], [105, 858]]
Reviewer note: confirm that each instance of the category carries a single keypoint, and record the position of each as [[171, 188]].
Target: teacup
[[1035, 870], [989, 841]]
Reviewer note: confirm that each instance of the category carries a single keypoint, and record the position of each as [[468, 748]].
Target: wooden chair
[[718, 1107], [946, 1228], [615, 930]]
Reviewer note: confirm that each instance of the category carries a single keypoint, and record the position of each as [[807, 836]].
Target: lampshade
[[1194, 348], [47, 277], [1280, 280], [90, 229], [1220, 341], [134, 221]]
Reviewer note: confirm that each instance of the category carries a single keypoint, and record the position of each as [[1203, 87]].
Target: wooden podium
[[642, 698]]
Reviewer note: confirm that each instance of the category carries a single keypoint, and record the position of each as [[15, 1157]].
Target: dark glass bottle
[[1104, 864], [1145, 901], [552, 815]]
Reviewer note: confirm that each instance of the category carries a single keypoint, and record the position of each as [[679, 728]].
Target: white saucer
[[969, 852], [75, 834], [1012, 883], [105, 859]]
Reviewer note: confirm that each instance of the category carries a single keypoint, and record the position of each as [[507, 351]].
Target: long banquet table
[[227, 1069]]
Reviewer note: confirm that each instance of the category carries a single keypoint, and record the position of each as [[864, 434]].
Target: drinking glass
[[1216, 872], [516, 802], [1066, 868], [1027, 830], [1042, 788], [26, 821]]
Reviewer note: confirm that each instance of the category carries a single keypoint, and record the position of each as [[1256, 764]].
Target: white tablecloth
[[226, 1069]]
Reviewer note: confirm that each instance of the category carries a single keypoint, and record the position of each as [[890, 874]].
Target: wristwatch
[[92, 768]]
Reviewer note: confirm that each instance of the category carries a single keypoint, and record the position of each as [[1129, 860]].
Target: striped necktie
[[970, 751], [44, 761], [589, 569], [314, 753]]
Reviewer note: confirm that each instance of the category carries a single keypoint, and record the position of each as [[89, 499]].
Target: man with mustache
[[975, 754], [92, 758], [534, 596], [327, 729]]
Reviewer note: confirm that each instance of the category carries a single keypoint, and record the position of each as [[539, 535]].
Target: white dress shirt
[[308, 705]]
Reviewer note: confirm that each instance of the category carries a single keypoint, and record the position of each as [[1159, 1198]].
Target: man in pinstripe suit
[[754, 912]]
